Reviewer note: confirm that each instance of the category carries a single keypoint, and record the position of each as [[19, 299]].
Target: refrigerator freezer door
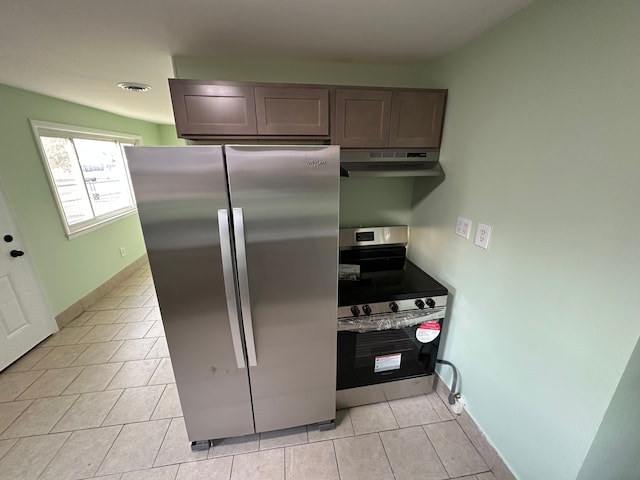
[[179, 191], [289, 199]]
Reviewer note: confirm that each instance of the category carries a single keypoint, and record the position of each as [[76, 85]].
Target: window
[[88, 173]]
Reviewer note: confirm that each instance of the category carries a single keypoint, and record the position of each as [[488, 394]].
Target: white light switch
[[483, 233], [463, 227]]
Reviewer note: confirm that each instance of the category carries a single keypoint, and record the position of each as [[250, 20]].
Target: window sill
[[97, 226]]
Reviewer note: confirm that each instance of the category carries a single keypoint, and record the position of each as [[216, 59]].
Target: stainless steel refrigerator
[[243, 247]]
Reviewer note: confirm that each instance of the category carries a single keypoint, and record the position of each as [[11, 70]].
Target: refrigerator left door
[[182, 200]]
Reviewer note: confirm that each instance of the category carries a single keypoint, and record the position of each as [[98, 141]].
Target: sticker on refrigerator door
[[385, 363], [428, 331]]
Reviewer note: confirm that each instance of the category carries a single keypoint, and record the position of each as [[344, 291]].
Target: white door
[[25, 316]]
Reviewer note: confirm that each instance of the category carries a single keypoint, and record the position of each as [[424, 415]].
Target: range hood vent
[[390, 164]]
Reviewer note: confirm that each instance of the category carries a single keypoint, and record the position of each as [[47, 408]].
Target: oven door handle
[[229, 285], [243, 283]]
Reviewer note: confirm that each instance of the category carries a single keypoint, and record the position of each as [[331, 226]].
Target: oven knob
[[420, 304], [393, 306], [431, 303], [367, 310], [355, 310]]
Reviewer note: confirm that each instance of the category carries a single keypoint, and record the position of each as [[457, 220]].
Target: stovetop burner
[[388, 285]]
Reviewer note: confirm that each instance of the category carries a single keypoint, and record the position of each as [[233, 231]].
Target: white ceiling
[[78, 50]]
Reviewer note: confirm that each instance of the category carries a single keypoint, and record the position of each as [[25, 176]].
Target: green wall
[[370, 202], [363, 201], [614, 453], [168, 135], [68, 269], [541, 142]]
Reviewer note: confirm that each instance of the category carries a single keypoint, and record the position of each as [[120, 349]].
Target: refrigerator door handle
[[243, 281], [229, 285]]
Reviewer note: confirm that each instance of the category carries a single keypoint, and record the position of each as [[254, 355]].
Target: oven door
[[371, 357]]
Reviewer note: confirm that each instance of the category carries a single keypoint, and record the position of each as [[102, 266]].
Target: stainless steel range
[[390, 316]]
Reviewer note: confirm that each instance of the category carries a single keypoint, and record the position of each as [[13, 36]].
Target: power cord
[[454, 394]]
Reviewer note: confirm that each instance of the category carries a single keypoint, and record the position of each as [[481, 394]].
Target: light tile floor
[[98, 400]]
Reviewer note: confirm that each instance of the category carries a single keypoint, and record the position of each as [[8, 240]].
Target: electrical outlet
[[458, 406], [123, 252], [483, 233], [463, 227]]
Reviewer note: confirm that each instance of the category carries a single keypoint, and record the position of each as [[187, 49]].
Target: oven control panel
[[396, 306]]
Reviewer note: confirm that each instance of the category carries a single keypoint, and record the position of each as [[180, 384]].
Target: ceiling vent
[[134, 87]]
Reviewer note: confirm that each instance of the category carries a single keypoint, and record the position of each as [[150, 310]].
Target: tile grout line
[[490, 469], [32, 401], [175, 475], [426, 434], [284, 458], [33, 367], [394, 415], [154, 372], [474, 447], [435, 450], [55, 454], [111, 409], [386, 454], [164, 437], [64, 413], [62, 392], [109, 451], [233, 461], [146, 357], [156, 406], [15, 399], [15, 420], [335, 456], [10, 448]]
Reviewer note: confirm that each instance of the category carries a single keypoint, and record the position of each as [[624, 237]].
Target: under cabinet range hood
[[390, 164]]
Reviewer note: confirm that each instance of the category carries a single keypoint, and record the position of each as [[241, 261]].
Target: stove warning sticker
[[385, 363], [428, 331]]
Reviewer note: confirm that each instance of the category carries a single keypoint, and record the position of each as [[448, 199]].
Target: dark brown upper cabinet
[[206, 109], [352, 117], [292, 111], [394, 118], [229, 110], [362, 118], [416, 119]]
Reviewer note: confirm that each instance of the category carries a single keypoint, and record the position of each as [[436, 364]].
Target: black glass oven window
[[357, 353]]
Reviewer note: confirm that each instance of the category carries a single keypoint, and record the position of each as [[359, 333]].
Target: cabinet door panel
[[362, 118], [416, 119], [205, 109], [292, 111]]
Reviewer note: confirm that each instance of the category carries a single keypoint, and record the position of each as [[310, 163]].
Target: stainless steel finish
[[289, 196], [398, 234], [230, 284], [391, 164], [243, 284], [409, 387], [179, 191], [403, 306]]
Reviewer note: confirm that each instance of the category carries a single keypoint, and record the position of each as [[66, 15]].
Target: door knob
[[16, 253]]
